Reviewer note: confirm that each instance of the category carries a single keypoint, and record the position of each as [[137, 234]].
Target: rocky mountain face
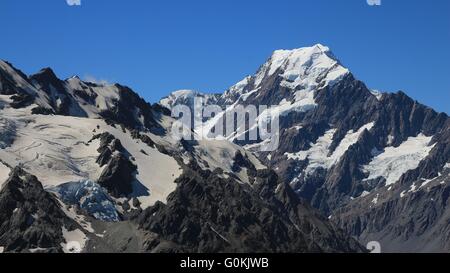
[[73, 97], [207, 213], [368, 160], [88, 167], [31, 218], [351, 162], [411, 220]]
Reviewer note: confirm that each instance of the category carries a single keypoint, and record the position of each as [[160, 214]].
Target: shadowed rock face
[[55, 96], [30, 217], [108, 145], [349, 105], [418, 220], [118, 176], [21, 100], [8, 84], [119, 173], [210, 214], [61, 101], [414, 215], [205, 214], [335, 191], [125, 109]]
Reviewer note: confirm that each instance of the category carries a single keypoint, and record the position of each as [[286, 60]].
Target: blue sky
[[157, 47]]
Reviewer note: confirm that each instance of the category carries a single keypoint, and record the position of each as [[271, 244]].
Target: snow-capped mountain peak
[[186, 97], [178, 96], [303, 70], [307, 66]]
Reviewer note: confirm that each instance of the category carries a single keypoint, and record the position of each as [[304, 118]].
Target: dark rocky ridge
[[21, 100], [119, 173], [58, 97], [8, 84], [61, 101], [415, 222], [118, 176], [124, 111], [210, 214], [30, 217]]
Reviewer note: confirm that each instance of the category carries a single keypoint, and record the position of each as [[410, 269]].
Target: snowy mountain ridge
[[87, 167], [343, 145], [107, 164]]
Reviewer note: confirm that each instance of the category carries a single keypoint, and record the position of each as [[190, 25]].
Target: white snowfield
[[4, 173], [157, 172], [185, 95], [212, 154], [318, 154], [75, 240], [82, 220], [56, 150], [220, 154], [393, 162], [377, 94], [238, 89], [176, 96]]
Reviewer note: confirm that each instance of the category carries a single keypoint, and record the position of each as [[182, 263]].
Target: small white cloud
[[73, 2], [374, 2], [90, 78]]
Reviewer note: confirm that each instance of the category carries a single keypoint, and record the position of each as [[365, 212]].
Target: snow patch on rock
[[395, 161], [318, 155], [4, 173], [186, 97], [377, 94], [307, 67], [75, 240]]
